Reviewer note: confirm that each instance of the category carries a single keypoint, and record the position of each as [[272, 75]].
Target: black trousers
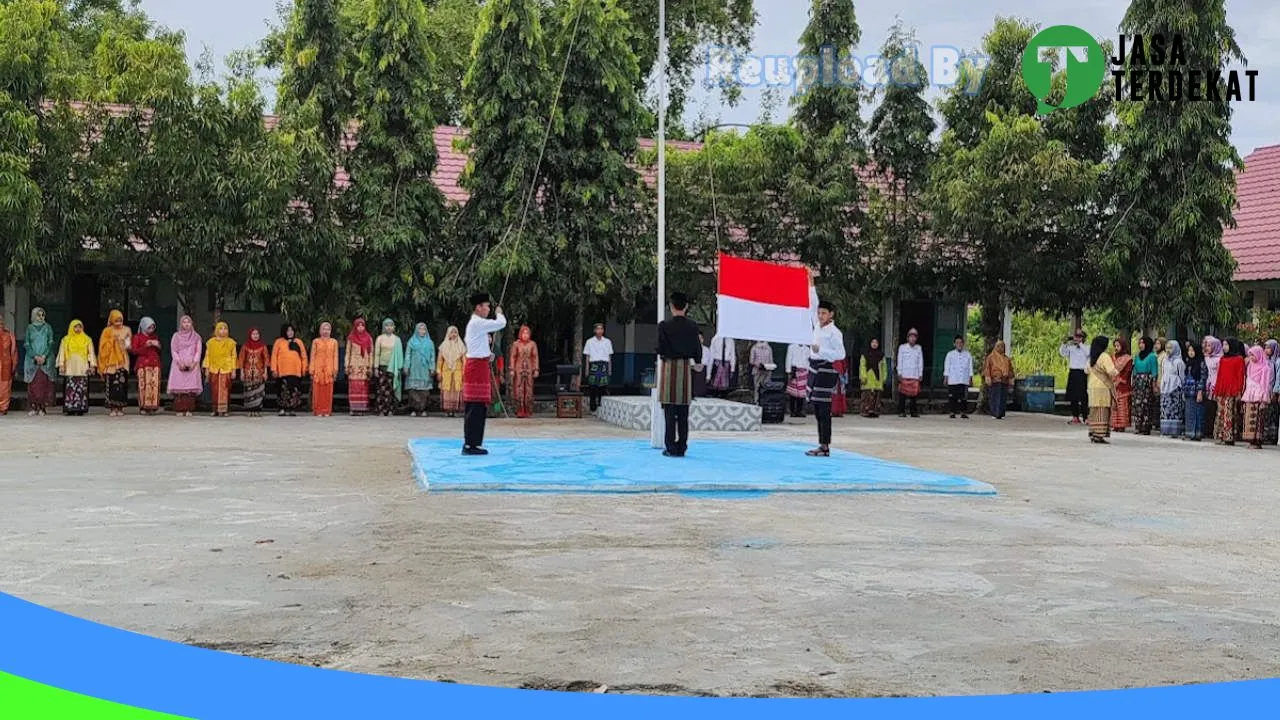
[[474, 415], [956, 400], [594, 393], [676, 437], [822, 411], [797, 406], [903, 401], [1078, 393]]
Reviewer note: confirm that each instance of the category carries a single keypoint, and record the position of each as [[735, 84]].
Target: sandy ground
[[1144, 563]]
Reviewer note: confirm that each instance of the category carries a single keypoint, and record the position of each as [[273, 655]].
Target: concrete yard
[[1148, 562]]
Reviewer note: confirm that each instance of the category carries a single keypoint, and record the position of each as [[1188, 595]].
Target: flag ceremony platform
[[722, 469], [705, 415]]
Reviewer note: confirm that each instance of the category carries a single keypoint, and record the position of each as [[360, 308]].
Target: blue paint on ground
[[729, 468]]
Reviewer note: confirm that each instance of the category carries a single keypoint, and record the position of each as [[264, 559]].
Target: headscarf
[[186, 341], [38, 341], [324, 325], [147, 326], [360, 336], [453, 349], [1195, 363], [110, 354], [421, 340], [874, 356], [1274, 346], [1098, 348], [77, 343], [1215, 347], [295, 344], [254, 345], [1145, 346], [526, 335], [1212, 359], [397, 356], [1174, 370], [218, 343], [999, 360], [1235, 348]]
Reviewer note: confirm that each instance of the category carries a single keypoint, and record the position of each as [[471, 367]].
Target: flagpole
[[656, 425]]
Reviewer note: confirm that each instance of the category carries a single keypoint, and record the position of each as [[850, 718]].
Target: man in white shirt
[[1076, 352], [827, 349], [477, 392], [909, 368], [957, 373], [597, 360]]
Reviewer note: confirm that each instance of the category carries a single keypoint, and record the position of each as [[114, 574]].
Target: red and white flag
[[765, 301]]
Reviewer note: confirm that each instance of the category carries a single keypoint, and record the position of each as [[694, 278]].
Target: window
[[1273, 300], [241, 303], [134, 295]]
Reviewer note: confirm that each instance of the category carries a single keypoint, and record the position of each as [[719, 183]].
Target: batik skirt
[[418, 400], [184, 402], [522, 393], [358, 394], [1253, 428], [823, 380], [40, 394], [598, 374], [255, 391], [1099, 422], [75, 396], [220, 391], [290, 396], [118, 389], [149, 389], [871, 403], [1144, 403], [477, 381], [1225, 427], [385, 402], [1173, 408], [1120, 410], [798, 385], [675, 384]]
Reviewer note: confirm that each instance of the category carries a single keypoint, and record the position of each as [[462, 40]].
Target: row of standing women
[[1219, 389], [379, 370]]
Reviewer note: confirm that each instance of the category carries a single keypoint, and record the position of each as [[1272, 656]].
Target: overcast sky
[[232, 24]]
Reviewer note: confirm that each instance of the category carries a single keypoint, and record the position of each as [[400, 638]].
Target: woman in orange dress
[[524, 368], [8, 365], [324, 370], [1123, 361], [289, 364], [113, 362]]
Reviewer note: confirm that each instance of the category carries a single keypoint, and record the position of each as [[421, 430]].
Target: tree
[[1175, 184], [313, 84], [396, 210], [590, 194], [825, 194], [507, 95], [1002, 204], [902, 151]]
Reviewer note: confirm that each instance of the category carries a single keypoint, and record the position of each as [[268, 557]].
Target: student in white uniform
[[827, 349]]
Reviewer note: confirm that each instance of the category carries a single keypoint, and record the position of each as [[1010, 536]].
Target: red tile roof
[[1255, 240]]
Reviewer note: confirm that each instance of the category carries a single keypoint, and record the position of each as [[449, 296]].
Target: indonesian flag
[[765, 301]]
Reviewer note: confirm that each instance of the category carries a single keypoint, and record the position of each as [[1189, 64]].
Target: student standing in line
[[910, 370], [184, 367], [220, 363], [145, 348], [826, 351], [957, 374], [679, 348], [597, 362], [872, 373], [289, 364], [997, 376], [1077, 356]]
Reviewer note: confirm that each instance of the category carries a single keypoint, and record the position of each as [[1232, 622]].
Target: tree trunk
[[579, 318], [992, 331]]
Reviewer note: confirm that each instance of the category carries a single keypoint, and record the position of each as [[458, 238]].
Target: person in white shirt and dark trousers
[[477, 390], [909, 368], [957, 373], [827, 349], [597, 356], [1077, 355]]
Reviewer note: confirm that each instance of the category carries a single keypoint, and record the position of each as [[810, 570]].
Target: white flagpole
[[656, 424]]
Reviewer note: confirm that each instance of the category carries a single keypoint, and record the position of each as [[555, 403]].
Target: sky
[[940, 25]]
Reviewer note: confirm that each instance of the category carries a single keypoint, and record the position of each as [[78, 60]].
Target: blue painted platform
[[725, 468]]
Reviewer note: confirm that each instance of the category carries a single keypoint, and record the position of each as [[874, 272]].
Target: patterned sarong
[[149, 389], [1252, 429], [118, 389], [823, 379], [75, 400], [1099, 422], [254, 393], [675, 385], [476, 380], [598, 374], [220, 389], [798, 385]]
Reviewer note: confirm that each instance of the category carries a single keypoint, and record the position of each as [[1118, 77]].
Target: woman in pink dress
[[185, 384]]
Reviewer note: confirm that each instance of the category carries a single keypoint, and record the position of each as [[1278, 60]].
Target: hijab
[[38, 340], [186, 338], [1259, 374], [294, 344], [397, 356], [110, 354], [254, 345], [1174, 370], [526, 335], [77, 342], [1098, 348], [323, 335], [1196, 367], [1144, 347], [147, 326], [218, 341], [1274, 345], [421, 341], [874, 356], [360, 336], [452, 349], [1235, 348], [1000, 360]]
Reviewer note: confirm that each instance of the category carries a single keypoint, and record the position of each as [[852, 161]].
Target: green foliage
[[313, 85], [1265, 326], [1175, 184]]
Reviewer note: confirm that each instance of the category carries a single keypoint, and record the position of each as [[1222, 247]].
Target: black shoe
[[474, 451], [668, 453], [953, 416], [963, 416]]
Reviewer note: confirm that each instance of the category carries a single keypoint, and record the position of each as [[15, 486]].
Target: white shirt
[[598, 350], [706, 361], [830, 342], [798, 357], [1077, 355], [477, 338], [723, 348], [958, 369], [910, 361]]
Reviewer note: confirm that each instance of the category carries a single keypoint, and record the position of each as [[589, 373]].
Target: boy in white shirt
[[958, 375]]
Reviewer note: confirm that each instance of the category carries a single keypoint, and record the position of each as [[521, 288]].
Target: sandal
[[819, 452]]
